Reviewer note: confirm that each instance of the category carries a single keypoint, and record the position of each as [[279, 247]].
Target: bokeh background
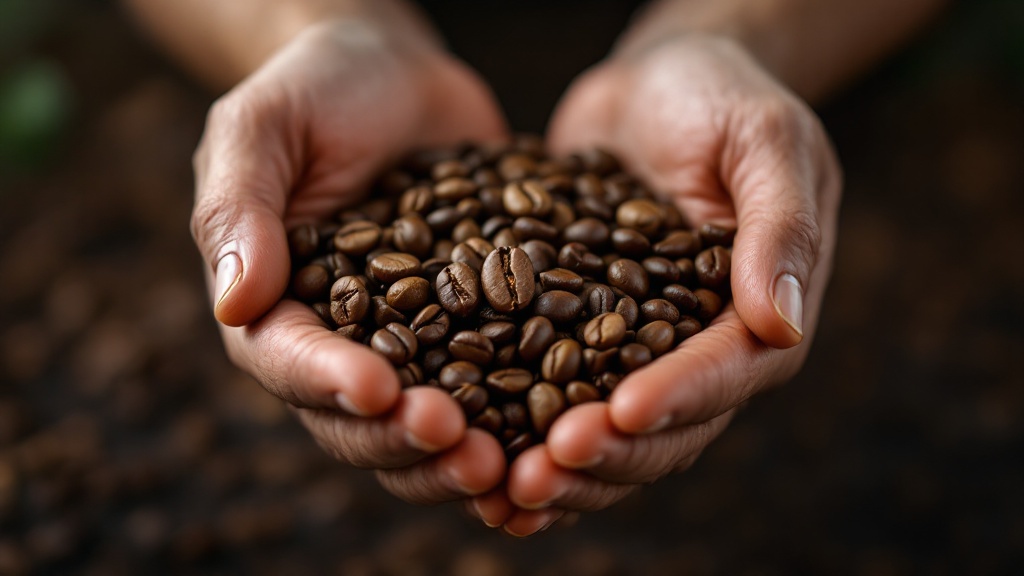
[[129, 444]]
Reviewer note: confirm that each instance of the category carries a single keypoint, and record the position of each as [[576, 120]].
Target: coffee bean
[[681, 297], [418, 199], [338, 265], [658, 309], [303, 241], [605, 331], [527, 198], [607, 382], [597, 299], [630, 277], [713, 266], [562, 214], [678, 244], [517, 445], [430, 325], [413, 235], [499, 332], [311, 283], [410, 375], [687, 272], [546, 402], [466, 229], [489, 419], [537, 335], [513, 167], [558, 306], [471, 346], [542, 255], [644, 216], [599, 361], [384, 313], [658, 336], [349, 301], [449, 169], [408, 293], [590, 232], [487, 178], [353, 332], [396, 343], [561, 279], [443, 249], [528, 228], [473, 252], [589, 185], [630, 243], [716, 235], [492, 199], [686, 327], [507, 279], [434, 359], [575, 257], [598, 161], [505, 237], [459, 373], [469, 208], [378, 211], [357, 238], [661, 270], [618, 188], [472, 398], [509, 381], [323, 310], [710, 304], [494, 224], [515, 414], [393, 266], [488, 314], [454, 188], [593, 207], [458, 289], [562, 361], [634, 356], [443, 219], [578, 392], [505, 356], [628, 309]]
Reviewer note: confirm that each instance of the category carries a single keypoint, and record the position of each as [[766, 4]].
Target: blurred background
[[129, 444]]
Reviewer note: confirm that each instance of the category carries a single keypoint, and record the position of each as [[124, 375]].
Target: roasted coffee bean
[[528, 228], [590, 232], [488, 314], [396, 343], [710, 304], [630, 277], [434, 359], [562, 361], [472, 398], [311, 283], [515, 414], [713, 267], [384, 313], [634, 356], [430, 325], [678, 244], [644, 216], [507, 279], [687, 272], [486, 177], [515, 166], [546, 402], [489, 419], [471, 346], [528, 198], [418, 199], [393, 266], [353, 332], [323, 310], [494, 224], [454, 188], [597, 299], [349, 301], [562, 214], [577, 258], [357, 238], [473, 252], [517, 445], [630, 243], [605, 331], [466, 228], [433, 267], [558, 306], [459, 373], [303, 241], [338, 265], [717, 235], [561, 279], [492, 199], [499, 332], [617, 189], [578, 392], [542, 255], [658, 336], [443, 219], [449, 169], [593, 207], [379, 211], [408, 293], [443, 249], [458, 289], [628, 309], [505, 237], [469, 208], [686, 327], [658, 309], [598, 161], [589, 185], [509, 381], [599, 361], [530, 144], [412, 235], [681, 297], [661, 270], [505, 356], [537, 335], [410, 375]]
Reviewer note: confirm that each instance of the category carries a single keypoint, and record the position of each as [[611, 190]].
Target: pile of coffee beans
[[520, 283]]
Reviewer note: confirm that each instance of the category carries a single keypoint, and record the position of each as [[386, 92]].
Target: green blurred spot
[[35, 106]]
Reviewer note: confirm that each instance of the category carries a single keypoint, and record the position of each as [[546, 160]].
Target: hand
[[299, 139], [698, 119]]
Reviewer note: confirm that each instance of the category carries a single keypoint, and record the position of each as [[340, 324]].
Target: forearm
[[814, 46], [222, 41]]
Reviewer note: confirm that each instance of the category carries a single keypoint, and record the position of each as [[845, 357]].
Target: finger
[[772, 170], [493, 508], [525, 523], [704, 377], [243, 175], [424, 421], [536, 482], [474, 466], [584, 438], [292, 354]]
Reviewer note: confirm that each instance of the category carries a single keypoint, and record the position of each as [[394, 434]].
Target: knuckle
[[212, 219]]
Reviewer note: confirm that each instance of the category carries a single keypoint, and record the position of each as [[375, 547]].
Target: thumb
[[242, 179]]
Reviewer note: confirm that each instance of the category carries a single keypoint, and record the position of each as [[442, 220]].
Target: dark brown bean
[[507, 279], [577, 258], [661, 270], [598, 161], [562, 361], [678, 244], [471, 346], [537, 335], [717, 235], [628, 309], [644, 216], [597, 299], [710, 304], [472, 398], [515, 414], [529, 228], [451, 168], [546, 402], [393, 266], [466, 229], [630, 243], [413, 235], [458, 289], [396, 343], [494, 224], [562, 214], [434, 359], [658, 309], [410, 375], [489, 419], [578, 392], [542, 255], [687, 327], [713, 267], [431, 324], [384, 313], [561, 279], [658, 336], [528, 198], [630, 277], [303, 241], [634, 356], [499, 332], [408, 293], [599, 361], [687, 272], [473, 252], [311, 283], [558, 306], [357, 238], [517, 445], [590, 232], [418, 199], [509, 381], [516, 166], [459, 373], [605, 331], [443, 219], [591, 206], [505, 237], [454, 188], [353, 332], [681, 297], [349, 301], [505, 356]]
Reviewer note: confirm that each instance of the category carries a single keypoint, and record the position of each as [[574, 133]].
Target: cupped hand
[[699, 120], [299, 139]]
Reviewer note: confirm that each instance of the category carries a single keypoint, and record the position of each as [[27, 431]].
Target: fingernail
[[789, 302], [593, 461], [552, 521], [229, 272], [419, 443], [480, 514], [660, 425], [347, 405], [553, 517]]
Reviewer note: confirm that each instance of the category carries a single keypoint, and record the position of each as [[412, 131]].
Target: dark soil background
[[129, 444]]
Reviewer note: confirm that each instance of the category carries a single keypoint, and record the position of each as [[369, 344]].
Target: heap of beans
[[522, 284]]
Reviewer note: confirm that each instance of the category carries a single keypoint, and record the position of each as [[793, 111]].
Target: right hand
[[298, 140]]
